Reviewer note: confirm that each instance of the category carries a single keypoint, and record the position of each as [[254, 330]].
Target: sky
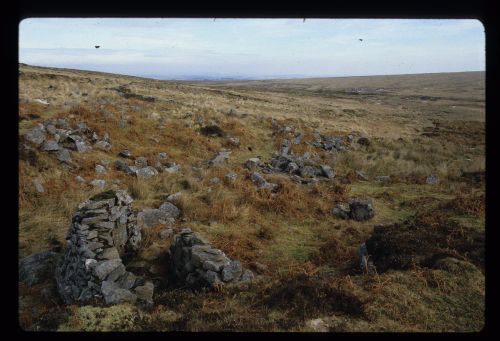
[[254, 48]]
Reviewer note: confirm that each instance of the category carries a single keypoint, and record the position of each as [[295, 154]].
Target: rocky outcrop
[[103, 230], [195, 263]]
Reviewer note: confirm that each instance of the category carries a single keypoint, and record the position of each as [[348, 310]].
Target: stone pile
[[301, 168], [194, 263], [357, 209], [55, 136], [141, 167], [103, 230]]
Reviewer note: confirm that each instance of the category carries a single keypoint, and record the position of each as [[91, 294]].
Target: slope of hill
[[414, 144]]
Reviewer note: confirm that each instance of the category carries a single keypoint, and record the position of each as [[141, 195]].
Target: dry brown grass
[[292, 232]]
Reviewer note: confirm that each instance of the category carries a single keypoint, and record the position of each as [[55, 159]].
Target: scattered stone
[[174, 168], [234, 141], [336, 143], [141, 162], [252, 163], [362, 176], [432, 180], [100, 169], [298, 138], [174, 197], [103, 145], [383, 178], [214, 181], [38, 267], [80, 179], [98, 183], [38, 186], [170, 209], [230, 177], [124, 167], [146, 172], [220, 158], [327, 171], [63, 155], [122, 123], [262, 183], [41, 101], [125, 153]]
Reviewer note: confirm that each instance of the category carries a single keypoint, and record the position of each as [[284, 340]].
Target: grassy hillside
[[305, 257]]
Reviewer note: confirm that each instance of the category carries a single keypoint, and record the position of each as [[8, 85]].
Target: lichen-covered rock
[[102, 230]]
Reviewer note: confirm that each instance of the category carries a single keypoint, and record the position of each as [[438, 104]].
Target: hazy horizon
[[254, 48], [277, 77]]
